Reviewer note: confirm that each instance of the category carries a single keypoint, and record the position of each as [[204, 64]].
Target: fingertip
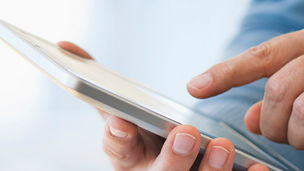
[[179, 150], [199, 86], [252, 118], [224, 142], [120, 128], [103, 114], [194, 92], [185, 140], [73, 48], [258, 167], [186, 129], [64, 43], [122, 143], [69, 46], [219, 155]]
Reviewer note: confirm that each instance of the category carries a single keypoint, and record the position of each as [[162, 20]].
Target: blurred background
[[160, 43]]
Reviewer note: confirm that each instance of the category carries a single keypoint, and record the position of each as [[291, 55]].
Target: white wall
[[162, 44]]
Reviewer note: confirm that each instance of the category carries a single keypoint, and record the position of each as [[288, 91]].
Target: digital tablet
[[120, 96]]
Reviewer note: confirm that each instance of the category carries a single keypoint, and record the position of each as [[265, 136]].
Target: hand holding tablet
[[133, 148]]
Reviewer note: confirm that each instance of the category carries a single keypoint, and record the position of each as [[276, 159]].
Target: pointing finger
[[258, 62]]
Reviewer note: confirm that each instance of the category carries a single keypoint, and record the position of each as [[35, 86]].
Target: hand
[[132, 148], [280, 115]]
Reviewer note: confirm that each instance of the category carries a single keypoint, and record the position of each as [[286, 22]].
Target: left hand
[[280, 115], [132, 148]]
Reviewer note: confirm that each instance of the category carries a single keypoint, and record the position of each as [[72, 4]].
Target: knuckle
[[298, 109], [113, 154], [225, 68], [123, 158], [274, 135], [274, 90], [264, 54], [273, 130], [262, 51], [118, 149]]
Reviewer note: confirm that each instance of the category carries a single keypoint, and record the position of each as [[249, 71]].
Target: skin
[[280, 115], [137, 149]]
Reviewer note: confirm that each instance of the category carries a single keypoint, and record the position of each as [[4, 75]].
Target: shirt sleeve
[[264, 20]]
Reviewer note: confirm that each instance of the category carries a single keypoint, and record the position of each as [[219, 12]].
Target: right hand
[[279, 116], [133, 148]]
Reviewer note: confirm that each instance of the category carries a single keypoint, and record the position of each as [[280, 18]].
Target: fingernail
[[201, 81], [117, 133], [218, 156], [183, 143]]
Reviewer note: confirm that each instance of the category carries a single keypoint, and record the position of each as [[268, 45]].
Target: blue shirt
[[265, 19]]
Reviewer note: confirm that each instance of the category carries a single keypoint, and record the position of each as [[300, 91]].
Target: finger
[[296, 124], [103, 114], [258, 167], [219, 155], [122, 143], [180, 149], [281, 91], [252, 118], [71, 47], [258, 62]]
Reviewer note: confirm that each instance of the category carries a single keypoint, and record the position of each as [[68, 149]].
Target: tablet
[[120, 96]]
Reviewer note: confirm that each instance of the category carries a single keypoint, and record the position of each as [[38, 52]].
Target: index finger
[[253, 64]]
